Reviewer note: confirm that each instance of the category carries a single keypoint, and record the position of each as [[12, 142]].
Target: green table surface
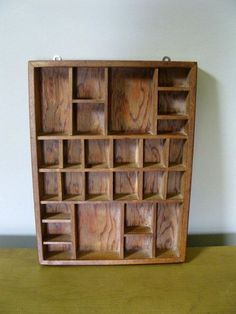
[[206, 283]]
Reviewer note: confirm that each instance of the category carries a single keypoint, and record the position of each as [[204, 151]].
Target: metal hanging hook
[[57, 58], [166, 58]]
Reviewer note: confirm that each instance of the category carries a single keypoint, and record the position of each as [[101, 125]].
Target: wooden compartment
[[98, 186], [49, 186], [172, 103], [49, 154], [97, 153], [54, 100], [56, 213], [174, 77], [177, 152], [138, 246], [99, 232], [154, 185], [89, 83], [126, 185], [72, 152], [139, 218], [112, 159], [73, 186], [131, 99], [126, 153], [175, 185], [176, 127], [155, 153], [168, 229], [89, 118]]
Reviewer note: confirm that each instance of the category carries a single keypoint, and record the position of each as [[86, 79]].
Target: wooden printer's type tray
[[112, 146]]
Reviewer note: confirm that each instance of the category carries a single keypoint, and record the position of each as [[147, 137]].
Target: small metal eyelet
[[166, 58], [57, 58]]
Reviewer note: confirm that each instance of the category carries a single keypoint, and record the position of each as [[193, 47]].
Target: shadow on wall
[[208, 197]]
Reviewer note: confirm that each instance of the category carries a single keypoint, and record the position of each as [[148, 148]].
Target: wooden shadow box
[[112, 149]]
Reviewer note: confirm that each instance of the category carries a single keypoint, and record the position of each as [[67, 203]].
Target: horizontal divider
[[150, 169], [88, 101], [110, 136]]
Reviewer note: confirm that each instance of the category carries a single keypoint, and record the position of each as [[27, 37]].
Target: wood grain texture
[[175, 184], [154, 153], [131, 98], [55, 100], [97, 184], [138, 246], [89, 119], [168, 224], [172, 103], [176, 76], [177, 152], [98, 228], [139, 215], [125, 183], [119, 118], [50, 183], [171, 126], [73, 184], [126, 152], [49, 154], [153, 186], [89, 83], [96, 153], [72, 151]]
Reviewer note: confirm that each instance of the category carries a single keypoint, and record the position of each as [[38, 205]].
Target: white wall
[[204, 31]]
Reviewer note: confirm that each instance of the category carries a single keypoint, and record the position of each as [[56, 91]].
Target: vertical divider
[[166, 156], [71, 101], [140, 153], [83, 168], [110, 193], [106, 103], [140, 184], [155, 100], [83, 153], [61, 154], [154, 228], [74, 229], [122, 227], [111, 153], [60, 185]]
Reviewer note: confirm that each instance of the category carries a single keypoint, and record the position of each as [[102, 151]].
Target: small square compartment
[[168, 229], [73, 186], [126, 185], [153, 185], [139, 218], [89, 83], [178, 127], [58, 251], [173, 77], [99, 231], [172, 103], [97, 153], [155, 153], [56, 213], [97, 186], [89, 118], [138, 246], [72, 151], [177, 152], [126, 153], [49, 154], [49, 183], [175, 185], [131, 99]]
